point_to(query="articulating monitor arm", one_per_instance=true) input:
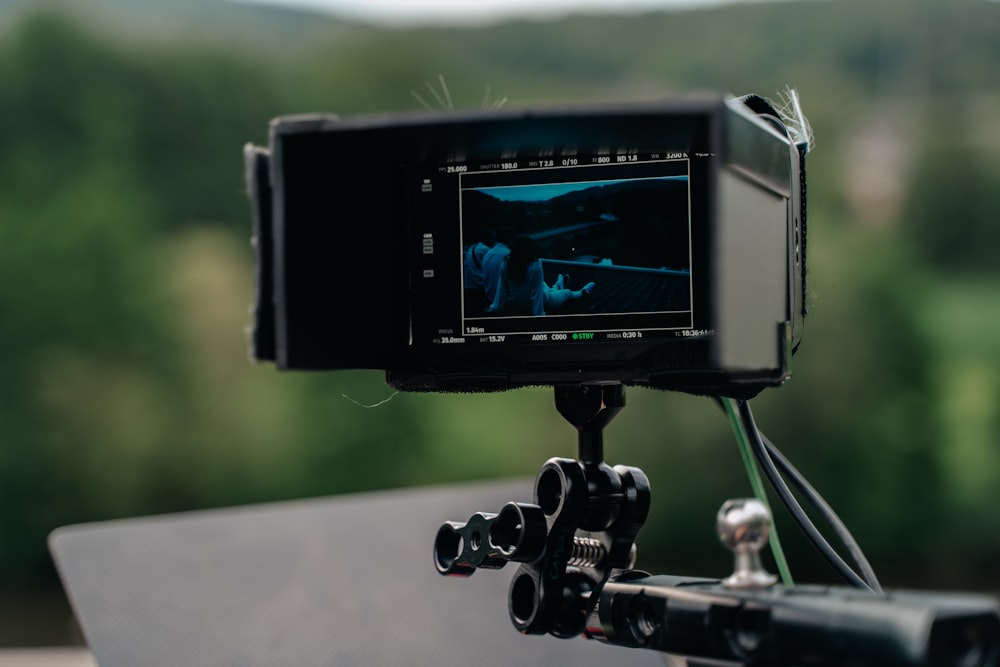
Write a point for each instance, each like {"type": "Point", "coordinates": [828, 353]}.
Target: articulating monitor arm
{"type": "Point", "coordinates": [580, 529]}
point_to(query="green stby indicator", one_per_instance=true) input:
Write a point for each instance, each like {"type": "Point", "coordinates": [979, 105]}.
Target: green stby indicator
{"type": "Point", "coordinates": [583, 336]}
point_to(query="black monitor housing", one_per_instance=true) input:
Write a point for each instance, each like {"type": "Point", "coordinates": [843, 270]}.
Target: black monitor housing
{"type": "Point", "coordinates": [676, 226]}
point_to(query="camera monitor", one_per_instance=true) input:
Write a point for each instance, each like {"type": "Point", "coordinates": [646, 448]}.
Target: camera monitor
{"type": "Point", "coordinates": [655, 243]}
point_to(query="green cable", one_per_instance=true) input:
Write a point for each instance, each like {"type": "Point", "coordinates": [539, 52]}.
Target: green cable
{"type": "Point", "coordinates": [758, 488]}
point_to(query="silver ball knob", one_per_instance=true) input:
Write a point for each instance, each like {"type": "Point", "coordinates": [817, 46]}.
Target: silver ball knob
{"type": "Point", "coordinates": [744, 526]}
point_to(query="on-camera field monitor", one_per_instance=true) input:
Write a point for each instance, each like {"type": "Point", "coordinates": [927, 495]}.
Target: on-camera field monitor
{"type": "Point", "coordinates": [656, 243]}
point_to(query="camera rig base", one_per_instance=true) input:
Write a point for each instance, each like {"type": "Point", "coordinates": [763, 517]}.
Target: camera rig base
{"type": "Point", "coordinates": [576, 547]}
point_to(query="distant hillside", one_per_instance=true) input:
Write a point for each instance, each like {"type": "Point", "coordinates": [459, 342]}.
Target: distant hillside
{"type": "Point", "coordinates": [833, 51]}
{"type": "Point", "coordinates": [220, 22]}
{"type": "Point", "coordinates": [876, 79]}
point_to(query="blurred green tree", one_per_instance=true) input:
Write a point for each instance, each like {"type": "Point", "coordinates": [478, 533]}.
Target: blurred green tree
{"type": "Point", "coordinates": [125, 276]}
{"type": "Point", "coordinates": [951, 213]}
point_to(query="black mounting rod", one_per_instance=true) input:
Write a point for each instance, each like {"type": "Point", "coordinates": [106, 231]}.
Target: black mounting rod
{"type": "Point", "coordinates": [589, 408]}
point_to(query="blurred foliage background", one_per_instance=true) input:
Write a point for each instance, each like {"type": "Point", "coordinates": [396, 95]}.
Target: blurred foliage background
{"type": "Point", "coordinates": [125, 275]}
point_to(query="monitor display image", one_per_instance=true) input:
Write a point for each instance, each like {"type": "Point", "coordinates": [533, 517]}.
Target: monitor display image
{"type": "Point", "coordinates": [576, 242]}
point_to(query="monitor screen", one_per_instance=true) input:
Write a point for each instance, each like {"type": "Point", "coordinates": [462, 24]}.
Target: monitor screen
{"type": "Point", "coordinates": [555, 249]}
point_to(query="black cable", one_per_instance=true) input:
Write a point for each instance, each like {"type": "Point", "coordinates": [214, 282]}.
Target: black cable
{"type": "Point", "coordinates": [790, 502]}
{"type": "Point", "coordinates": [819, 503]}
{"type": "Point", "coordinates": [829, 515]}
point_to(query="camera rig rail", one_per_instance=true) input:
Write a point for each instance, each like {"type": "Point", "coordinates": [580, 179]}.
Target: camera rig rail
{"type": "Point", "coordinates": [576, 547]}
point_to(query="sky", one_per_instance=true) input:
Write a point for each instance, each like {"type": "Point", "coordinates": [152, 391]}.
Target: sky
{"type": "Point", "coordinates": [479, 12]}
{"type": "Point", "coordinates": [541, 192]}
{"type": "Point", "coordinates": [546, 191]}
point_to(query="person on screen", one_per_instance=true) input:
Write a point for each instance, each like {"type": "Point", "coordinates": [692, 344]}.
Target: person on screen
{"type": "Point", "coordinates": [522, 287]}
{"type": "Point", "coordinates": [472, 275]}
{"type": "Point", "coordinates": [492, 268]}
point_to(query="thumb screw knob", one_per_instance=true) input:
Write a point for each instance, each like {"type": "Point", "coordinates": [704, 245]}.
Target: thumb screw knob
{"type": "Point", "coordinates": [744, 526]}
